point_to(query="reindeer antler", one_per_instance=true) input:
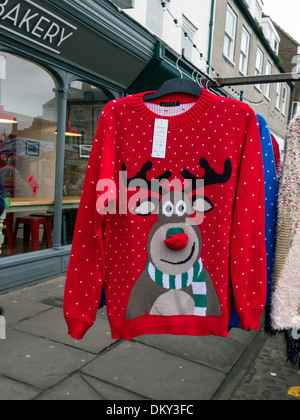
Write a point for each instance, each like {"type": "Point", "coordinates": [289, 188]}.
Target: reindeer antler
{"type": "Point", "coordinates": [142, 174]}
{"type": "Point", "coordinates": [210, 176]}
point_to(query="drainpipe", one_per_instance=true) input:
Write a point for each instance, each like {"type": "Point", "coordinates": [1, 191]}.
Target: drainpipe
{"type": "Point", "coordinates": [211, 33]}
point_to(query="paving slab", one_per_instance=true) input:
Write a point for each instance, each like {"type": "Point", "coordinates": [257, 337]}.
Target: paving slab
{"type": "Point", "coordinates": [111, 392]}
{"type": "Point", "coordinates": [36, 361]}
{"type": "Point", "coordinates": [81, 387]}
{"type": "Point", "coordinates": [11, 390]}
{"type": "Point", "coordinates": [72, 389]}
{"type": "Point", "coordinates": [51, 324]}
{"type": "Point", "coordinates": [154, 374]}
{"type": "Point", "coordinates": [216, 352]}
{"type": "Point", "coordinates": [38, 291]}
{"type": "Point", "coordinates": [26, 303]}
{"type": "Point", "coordinates": [16, 310]}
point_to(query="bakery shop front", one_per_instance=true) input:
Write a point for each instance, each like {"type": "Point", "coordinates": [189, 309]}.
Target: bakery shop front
{"type": "Point", "coordinates": [60, 63]}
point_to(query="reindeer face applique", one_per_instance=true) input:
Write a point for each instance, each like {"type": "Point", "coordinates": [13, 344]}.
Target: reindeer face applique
{"type": "Point", "coordinates": [175, 281]}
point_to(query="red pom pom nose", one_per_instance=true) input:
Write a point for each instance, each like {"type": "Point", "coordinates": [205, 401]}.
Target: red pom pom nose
{"type": "Point", "coordinates": [176, 239]}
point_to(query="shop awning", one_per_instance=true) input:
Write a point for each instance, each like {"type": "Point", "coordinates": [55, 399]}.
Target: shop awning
{"type": "Point", "coordinates": [95, 39]}
{"type": "Point", "coordinates": [87, 37]}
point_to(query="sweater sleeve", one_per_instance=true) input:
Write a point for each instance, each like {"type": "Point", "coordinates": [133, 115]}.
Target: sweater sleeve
{"type": "Point", "coordinates": [271, 196]}
{"type": "Point", "coordinates": [86, 269]}
{"type": "Point", "coordinates": [247, 248]}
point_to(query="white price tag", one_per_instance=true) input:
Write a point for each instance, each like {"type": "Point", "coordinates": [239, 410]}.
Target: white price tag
{"type": "Point", "coordinates": [160, 138]}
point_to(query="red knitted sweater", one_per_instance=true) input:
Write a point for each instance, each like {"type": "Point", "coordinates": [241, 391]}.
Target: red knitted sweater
{"type": "Point", "coordinates": [171, 259]}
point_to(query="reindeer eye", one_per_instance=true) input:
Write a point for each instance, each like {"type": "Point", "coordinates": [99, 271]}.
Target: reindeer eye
{"type": "Point", "coordinates": [180, 208]}
{"type": "Point", "coordinates": [202, 204]}
{"type": "Point", "coordinates": [168, 209]}
{"type": "Point", "coordinates": [145, 208]}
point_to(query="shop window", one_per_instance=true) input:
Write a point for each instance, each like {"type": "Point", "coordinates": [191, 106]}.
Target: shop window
{"type": "Point", "coordinates": [28, 120]}
{"type": "Point", "coordinates": [85, 105]}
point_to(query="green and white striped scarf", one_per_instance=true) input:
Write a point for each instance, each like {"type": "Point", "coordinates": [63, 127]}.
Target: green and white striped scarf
{"type": "Point", "coordinates": [195, 277]}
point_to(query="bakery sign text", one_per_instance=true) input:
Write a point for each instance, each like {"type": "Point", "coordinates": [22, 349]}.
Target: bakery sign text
{"type": "Point", "coordinates": [32, 22]}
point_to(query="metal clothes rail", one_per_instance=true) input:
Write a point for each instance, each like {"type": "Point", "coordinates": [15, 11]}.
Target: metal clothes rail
{"type": "Point", "coordinates": [211, 82]}
{"type": "Point", "coordinates": [252, 80]}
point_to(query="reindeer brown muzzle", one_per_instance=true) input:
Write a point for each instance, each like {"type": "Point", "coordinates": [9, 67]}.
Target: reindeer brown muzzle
{"type": "Point", "coordinates": [176, 239]}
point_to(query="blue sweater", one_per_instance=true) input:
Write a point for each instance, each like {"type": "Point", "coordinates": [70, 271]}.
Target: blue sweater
{"type": "Point", "coordinates": [271, 197]}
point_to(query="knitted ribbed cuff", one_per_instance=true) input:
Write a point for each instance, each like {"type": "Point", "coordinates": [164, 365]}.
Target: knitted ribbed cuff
{"type": "Point", "coordinates": [250, 319]}
{"type": "Point", "coordinates": [77, 328]}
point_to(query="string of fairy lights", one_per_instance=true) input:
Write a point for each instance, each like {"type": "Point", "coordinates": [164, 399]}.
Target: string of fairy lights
{"type": "Point", "coordinates": [187, 37]}
{"type": "Point", "coordinates": [211, 68]}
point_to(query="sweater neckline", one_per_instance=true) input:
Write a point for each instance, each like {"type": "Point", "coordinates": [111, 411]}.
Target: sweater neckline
{"type": "Point", "coordinates": [176, 121]}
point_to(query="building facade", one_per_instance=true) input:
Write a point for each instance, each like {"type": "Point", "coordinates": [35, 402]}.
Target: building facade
{"type": "Point", "coordinates": [245, 44]}
{"type": "Point", "coordinates": [289, 51]}
{"type": "Point", "coordinates": [226, 38]}
{"type": "Point", "coordinates": [179, 24]}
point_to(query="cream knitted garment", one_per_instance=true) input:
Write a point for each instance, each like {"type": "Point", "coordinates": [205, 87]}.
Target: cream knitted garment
{"type": "Point", "coordinates": [286, 284]}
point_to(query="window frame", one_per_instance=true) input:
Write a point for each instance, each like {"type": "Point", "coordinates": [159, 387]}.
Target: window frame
{"type": "Point", "coordinates": [258, 71]}
{"type": "Point", "coordinates": [267, 88]}
{"type": "Point", "coordinates": [276, 46]}
{"type": "Point", "coordinates": [31, 148]}
{"type": "Point", "coordinates": [149, 23]}
{"type": "Point", "coordinates": [298, 64]}
{"type": "Point", "coordinates": [244, 55]}
{"type": "Point", "coordinates": [257, 8]}
{"type": "Point", "coordinates": [278, 96]}
{"type": "Point", "coordinates": [231, 37]}
{"type": "Point", "coordinates": [296, 105]}
{"type": "Point", "coordinates": [284, 100]}
{"type": "Point", "coordinates": [190, 29]}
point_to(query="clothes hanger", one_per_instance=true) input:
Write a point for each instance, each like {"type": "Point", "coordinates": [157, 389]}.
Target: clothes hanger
{"type": "Point", "coordinates": [176, 85]}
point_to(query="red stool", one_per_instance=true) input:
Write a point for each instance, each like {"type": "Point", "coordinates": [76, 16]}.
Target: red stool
{"type": "Point", "coordinates": [49, 216]}
{"type": "Point", "coordinates": [8, 225]}
{"type": "Point", "coordinates": [31, 227]}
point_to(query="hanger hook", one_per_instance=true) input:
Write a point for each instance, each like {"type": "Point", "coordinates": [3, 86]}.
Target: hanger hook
{"type": "Point", "coordinates": [201, 78]}
{"type": "Point", "coordinates": [197, 78]}
{"type": "Point", "coordinates": [215, 81]}
{"type": "Point", "coordinates": [194, 79]}
{"type": "Point", "coordinates": [178, 68]}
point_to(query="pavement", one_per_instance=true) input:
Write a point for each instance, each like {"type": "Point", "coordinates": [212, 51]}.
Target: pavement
{"type": "Point", "coordinates": [39, 361]}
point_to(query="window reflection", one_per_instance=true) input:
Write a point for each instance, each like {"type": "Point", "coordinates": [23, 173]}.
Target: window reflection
{"type": "Point", "coordinates": [28, 152]}
{"type": "Point", "coordinates": [85, 105]}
